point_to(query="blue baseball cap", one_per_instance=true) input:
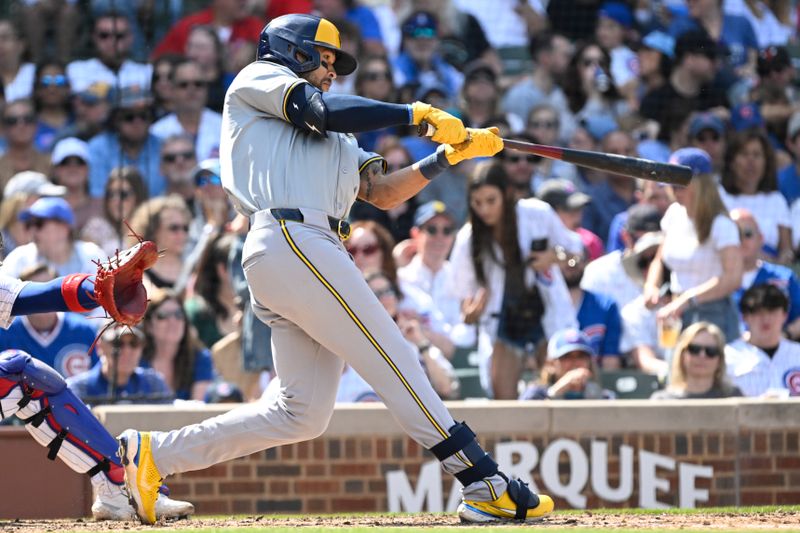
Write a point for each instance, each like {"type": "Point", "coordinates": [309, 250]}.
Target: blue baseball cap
{"type": "Point", "coordinates": [568, 340]}
{"type": "Point", "coordinates": [428, 210]}
{"type": "Point", "coordinates": [52, 208]}
{"type": "Point", "coordinates": [746, 116]}
{"type": "Point", "coordinates": [420, 24]}
{"type": "Point", "coordinates": [618, 12]}
{"type": "Point", "coordinates": [660, 42]}
{"type": "Point", "coordinates": [695, 158]}
{"type": "Point", "coordinates": [706, 121]}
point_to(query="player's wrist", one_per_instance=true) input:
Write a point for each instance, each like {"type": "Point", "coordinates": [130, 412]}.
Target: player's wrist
{"type": "Point", "coordinates": [434, 164]}
{"type": "Point", "coordinates": [71, 291]}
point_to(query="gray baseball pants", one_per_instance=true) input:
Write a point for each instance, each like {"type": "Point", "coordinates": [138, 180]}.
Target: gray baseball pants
{"type": "Point", "coordinates": [322, 314]}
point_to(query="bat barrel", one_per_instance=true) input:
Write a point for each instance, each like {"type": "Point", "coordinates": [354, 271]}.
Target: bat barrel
{"type": "Point", "coordinates": [630, 166]}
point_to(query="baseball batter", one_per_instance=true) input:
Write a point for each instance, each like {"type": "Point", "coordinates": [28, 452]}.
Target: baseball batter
{"type": "Point", "coordinates": [290, 162]}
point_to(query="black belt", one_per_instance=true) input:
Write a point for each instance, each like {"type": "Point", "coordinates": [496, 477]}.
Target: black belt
{"type": "Point", "coordinates": [340, 226]}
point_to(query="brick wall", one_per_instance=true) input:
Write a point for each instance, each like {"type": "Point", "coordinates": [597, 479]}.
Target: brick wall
{"type": "Point", "coordinates": [752, 447]}
{"type": "Point", "coordinates": [343, 474]}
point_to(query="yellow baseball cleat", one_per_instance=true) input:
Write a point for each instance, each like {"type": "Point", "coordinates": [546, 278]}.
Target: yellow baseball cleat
{"type": "Point", "coordinates": [516, 503]}
{"type": "Point", "coordinates": [142, 478]}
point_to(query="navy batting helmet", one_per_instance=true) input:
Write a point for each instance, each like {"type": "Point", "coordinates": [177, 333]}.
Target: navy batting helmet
{"type": "Point", "coordinates": [289, 36]}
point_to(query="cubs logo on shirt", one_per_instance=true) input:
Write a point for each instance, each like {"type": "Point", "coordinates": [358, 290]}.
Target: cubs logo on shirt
{"type": "Point", "coordinates": [792, 381]}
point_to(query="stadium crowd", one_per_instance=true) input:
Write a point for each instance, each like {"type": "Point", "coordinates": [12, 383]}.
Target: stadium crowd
{"type": "Point", "coordinates": [514, 277]}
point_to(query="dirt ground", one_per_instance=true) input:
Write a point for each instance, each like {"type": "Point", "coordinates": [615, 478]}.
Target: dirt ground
{"type": "Point", "coordinates": [785, 520]}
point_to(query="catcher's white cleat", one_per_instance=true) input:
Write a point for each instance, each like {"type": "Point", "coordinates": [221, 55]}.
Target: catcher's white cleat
{"type": "Point", "coordinates": [142, 479]}
{"type": "Point", "coordinates": [114, 505]}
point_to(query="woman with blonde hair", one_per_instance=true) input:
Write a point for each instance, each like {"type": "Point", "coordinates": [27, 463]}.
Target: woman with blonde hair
{"type": "Point", "coordinates": [701, 249]}
{"type": "Point", "coordinates": [165, 221]}
{"type": "Point", "coordinates": [13, 231]}
{"type": "Point", "coordinates": [698, 366]}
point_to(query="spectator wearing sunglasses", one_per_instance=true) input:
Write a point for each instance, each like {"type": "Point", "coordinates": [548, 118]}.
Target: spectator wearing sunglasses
{"type": "Point", "coordinates": [173, 349]}
{"type": "Point", "coordinates": [51, 98]}
{"type": "Point", "coordinates": [178, 163]}
{"type": "Point", "coordinates": [211, 205]}
{"type": "Point", "coordinates": [190, 115]}
{"type": "Point", "coordinates": [125, 190]}
{"type": "Point", "coordinates": [19, 125]}
{"type": "Point", "coordinates": [165, 221]}
{"type": "Point", "coordinates": [758, 271]}
{"type": "Point", "coordinates": [112, 37]}
{"type": "Point", "coordinates": [70, 159]}
{"type": "Point", "coordinates": [762, 363]}
{"type": "Point", "coordinates": [520, 169]}
{"type": "Point", "coordinates": [52, 223]}
{"type": "Point", "coordinates": [120, 352]}
{"type": "Point", "coordinates": [374, 80]}
{"type": "Point", "coordinates": [429, 270]}
{"type": "Point", "coordinates": [127, 142]}
{"type": "Point", "coordinates": [698, 366]}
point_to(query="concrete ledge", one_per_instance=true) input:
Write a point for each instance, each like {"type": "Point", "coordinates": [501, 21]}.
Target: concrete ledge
{"type": "Point", "coordinates": [547, 417]}
{"type": "Point", "coordinates": [777, 414]}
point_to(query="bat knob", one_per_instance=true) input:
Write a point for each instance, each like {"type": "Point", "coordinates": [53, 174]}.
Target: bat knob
{"type": "Point", "coordinates": [425, 129]}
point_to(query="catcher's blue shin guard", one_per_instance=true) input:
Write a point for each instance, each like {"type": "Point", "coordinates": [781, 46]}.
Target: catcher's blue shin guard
{"type": "Point", "coordinates": [56, 418]}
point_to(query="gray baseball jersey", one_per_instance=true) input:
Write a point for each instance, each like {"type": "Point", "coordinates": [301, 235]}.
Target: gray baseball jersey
{"type": "Point", "coordinates": [267, 162]}
{"type": "Point", "coordinates": [307, 288]}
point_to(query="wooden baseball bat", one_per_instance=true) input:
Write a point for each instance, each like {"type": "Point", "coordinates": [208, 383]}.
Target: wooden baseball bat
{"type": "Point", "coordinates": [633, 167]}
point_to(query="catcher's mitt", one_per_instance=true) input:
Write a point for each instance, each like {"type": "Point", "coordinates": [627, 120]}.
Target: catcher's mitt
{"type": "Point", "coordinates": [118, 284]}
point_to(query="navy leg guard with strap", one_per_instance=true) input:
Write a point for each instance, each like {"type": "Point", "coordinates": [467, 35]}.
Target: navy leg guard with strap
{"type": "Point", "coordinates": [462, 441]}
{"type": "Point", "coordinates": [55, 417]}
{"type": "Point", "coordinates": [521, 494]}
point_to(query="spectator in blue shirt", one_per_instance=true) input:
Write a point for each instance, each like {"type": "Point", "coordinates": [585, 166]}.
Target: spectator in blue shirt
{"type": "Point", "coordinates": [61, 340]}
{"type": "Point", "coordinates": [127, 142]}
{"type": "Point", "coordinates": [120, 351]}
{"type": "Point", "coordinates": [598, 315]}
{"type": "Point", "coordinates": [419, 63]}
{"type": "Point", "coordinates": [758, 272]}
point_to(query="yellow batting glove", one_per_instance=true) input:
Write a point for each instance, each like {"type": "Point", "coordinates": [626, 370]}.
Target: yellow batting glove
{"type": "Point", "coordinates": [484, 142]}
{"type": "Point", "coordinates": [449, 129]}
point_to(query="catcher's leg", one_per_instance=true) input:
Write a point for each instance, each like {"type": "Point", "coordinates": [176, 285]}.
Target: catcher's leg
{"type": "Point", "coordinates": [60, 421]}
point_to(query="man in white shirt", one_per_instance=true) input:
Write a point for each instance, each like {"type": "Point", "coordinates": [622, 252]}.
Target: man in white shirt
{"type": "Point", "coordinates": [112, 38]}
{"type": "Point", "coordinates": [607, 274]}
{"type": "Point", "coordinates": [762, 363]}
{"type": "Point", "coordinates": [191, 116]}
{"type": "Point", "coordinates": [429, 271]}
